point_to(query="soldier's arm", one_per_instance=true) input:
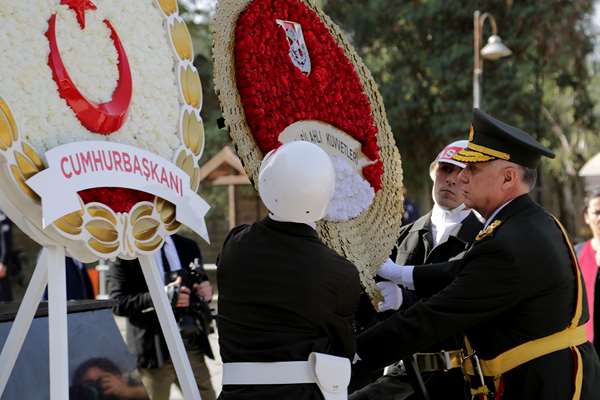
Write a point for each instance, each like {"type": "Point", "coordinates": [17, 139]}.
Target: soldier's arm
{"type": "Point", "coordinates": [485, 287]}
{"type": "Point", "coordinates": [432, 278]}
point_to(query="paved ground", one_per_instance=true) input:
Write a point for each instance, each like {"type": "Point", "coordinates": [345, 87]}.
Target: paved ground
{"type": "Point", "coordinates": [213, 365]}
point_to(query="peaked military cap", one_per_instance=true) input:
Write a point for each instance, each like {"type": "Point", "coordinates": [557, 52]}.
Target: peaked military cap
{"type": "Point", "coordinates": [491, 139]}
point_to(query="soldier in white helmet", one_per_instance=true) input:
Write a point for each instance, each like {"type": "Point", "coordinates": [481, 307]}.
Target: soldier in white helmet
{"type": "Point", "coordinates": [286, 300]}
{"type": "Point", "coordinates": [443, 233]}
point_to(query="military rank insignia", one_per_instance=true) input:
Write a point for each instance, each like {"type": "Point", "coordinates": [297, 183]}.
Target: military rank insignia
{"type": "Point", "coordinates": [488, 230]}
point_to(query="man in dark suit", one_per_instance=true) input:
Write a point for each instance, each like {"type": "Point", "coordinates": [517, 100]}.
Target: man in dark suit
{"type": "Point", "coordinates": [517, 294]}
{"type": "Point", "coordinates": [286, 300]}
{"type": "Point", "coordinates": [78, 283]}
{"type": "Point", "coordinates": [144, 335]}
{"type": "Point", "coordinates": [444, 233]}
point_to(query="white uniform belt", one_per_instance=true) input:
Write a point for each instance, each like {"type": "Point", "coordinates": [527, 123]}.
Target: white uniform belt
{"type": "Point", "coordinates": [330, 373]}
{"type": "Point", "coordinates": [268, 373]}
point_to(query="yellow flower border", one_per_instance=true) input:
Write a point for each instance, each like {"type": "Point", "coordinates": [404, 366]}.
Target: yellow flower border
{"type": "Point", "coordinates": [103, 232]}
{"type": "Point", "coordinates": [366, 240]}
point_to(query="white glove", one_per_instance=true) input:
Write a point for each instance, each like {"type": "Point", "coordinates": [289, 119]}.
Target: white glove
{"type": "Point", "coordinates": [391, 271]}
{"type": "Point", "coordinates": [399, 274]}
{"type": "Point", "coordinates": [392, 296]}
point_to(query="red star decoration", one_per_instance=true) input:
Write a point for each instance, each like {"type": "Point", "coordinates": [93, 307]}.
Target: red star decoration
{"type": "Point", "coordinates": [79, 7]}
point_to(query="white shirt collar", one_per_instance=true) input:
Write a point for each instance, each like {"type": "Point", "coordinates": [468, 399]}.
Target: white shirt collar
{"type": "Point", "coordinates": [171, 255]}
{"type": "Point", "coordinates": [442, 215]}
{"type": "Point", "coordinates": [443, 221]}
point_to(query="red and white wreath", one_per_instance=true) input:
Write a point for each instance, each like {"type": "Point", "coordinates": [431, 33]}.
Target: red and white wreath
{"type": "Point", "coordinates": [283, 72]}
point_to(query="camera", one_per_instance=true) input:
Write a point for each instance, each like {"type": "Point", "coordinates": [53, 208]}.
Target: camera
{"type": "Point", "coordinates": [195, 318]}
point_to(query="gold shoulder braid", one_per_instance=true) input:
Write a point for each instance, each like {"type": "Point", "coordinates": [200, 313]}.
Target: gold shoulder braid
{"type": "Point", "coordinates": [488, 230]}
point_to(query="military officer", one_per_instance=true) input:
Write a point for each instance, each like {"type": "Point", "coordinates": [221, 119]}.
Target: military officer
{"type": "Point", "coordinates": [517, 295]}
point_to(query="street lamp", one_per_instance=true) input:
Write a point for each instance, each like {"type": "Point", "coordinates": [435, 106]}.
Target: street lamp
{"type": "Point", "coordinates": [493, 50]}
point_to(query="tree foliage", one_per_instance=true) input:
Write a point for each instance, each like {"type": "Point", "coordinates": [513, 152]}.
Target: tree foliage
{"type": "Point", "coordinates": [421, 54]}
{"type": "Point", "coordinates": [198, 24]}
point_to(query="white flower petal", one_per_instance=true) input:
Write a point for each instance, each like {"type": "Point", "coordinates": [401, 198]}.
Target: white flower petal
{"type": "Point", "coordinates": [353, 194]}
{"type": "Point", "coordinates": [44, 119]}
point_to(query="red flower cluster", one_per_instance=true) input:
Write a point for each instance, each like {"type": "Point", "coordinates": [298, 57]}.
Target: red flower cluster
{"type": "Point", "coordinates": [276, 94]}
{"type": "Point", "coordinates": [118, 199]}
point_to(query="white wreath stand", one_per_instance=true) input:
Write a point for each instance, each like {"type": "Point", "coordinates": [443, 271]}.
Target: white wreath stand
{"type": "Point", "coordinates": [50, 270]}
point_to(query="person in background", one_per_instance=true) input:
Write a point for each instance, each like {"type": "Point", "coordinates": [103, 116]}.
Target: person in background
{"type": "Point", "coordinates": [588, 254]}
{"type": "Point", "coordinates": [188, 287]}
{"type": "Point", "coordinates": [411, 210]}
{"type": "Point", "coordinates": [79, 285]}
{"type": "Point", "coordinates": [101, 379]}
{"type": "Point", "coordinates": [6, 251]}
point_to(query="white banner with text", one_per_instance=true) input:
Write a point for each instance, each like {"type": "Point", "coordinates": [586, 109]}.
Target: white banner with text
{"type": "Point", "coordinates": [93, 164]}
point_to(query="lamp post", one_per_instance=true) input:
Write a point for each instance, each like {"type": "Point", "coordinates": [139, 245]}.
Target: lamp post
{"type": "Point", "coordinates": [493, 50]}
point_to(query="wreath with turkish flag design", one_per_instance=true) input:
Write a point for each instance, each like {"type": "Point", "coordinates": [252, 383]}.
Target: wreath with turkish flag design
{"type": "Point", "coordinates": [82, 81]}
{"type": "Point", "coordinates": [283, 64]}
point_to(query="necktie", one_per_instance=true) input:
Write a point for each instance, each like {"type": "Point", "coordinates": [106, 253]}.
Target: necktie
{"type": "Point", "coordinates": [166, 266]}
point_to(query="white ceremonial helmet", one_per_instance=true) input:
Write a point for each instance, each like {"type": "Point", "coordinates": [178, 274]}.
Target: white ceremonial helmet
{"type": "Point", "coordinates": [446, 156]}
{"type": "Point", "coordinates": [296, 182]}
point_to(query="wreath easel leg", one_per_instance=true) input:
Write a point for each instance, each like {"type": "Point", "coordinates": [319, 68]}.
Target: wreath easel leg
{"type": "Point", "coordinates": [58, 334]}
{"type": "Point", "coordinates": [169, 328]}
{"type": "Point", "coordinates": [25, 314]}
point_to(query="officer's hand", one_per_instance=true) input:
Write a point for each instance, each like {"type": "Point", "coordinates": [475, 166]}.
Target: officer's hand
{"type": "Point", "coordinates": [391, 271]}
{"type": "Point", "coordinates": [183, 297]}
{"type": "Point", "coordinates": [392, 296]}
{"type": "Point", "coordinates": [2, 271]}
{"type": "Point", "coordinates": [204, 290]}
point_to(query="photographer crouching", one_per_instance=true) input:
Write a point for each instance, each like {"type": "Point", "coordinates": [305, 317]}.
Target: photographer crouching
{"type": "Point", "coordinates": [190, 292]}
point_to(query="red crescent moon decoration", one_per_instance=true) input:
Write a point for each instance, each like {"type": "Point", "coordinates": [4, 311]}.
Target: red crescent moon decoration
{"type": "Point", "coordinates": [104, 118]}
